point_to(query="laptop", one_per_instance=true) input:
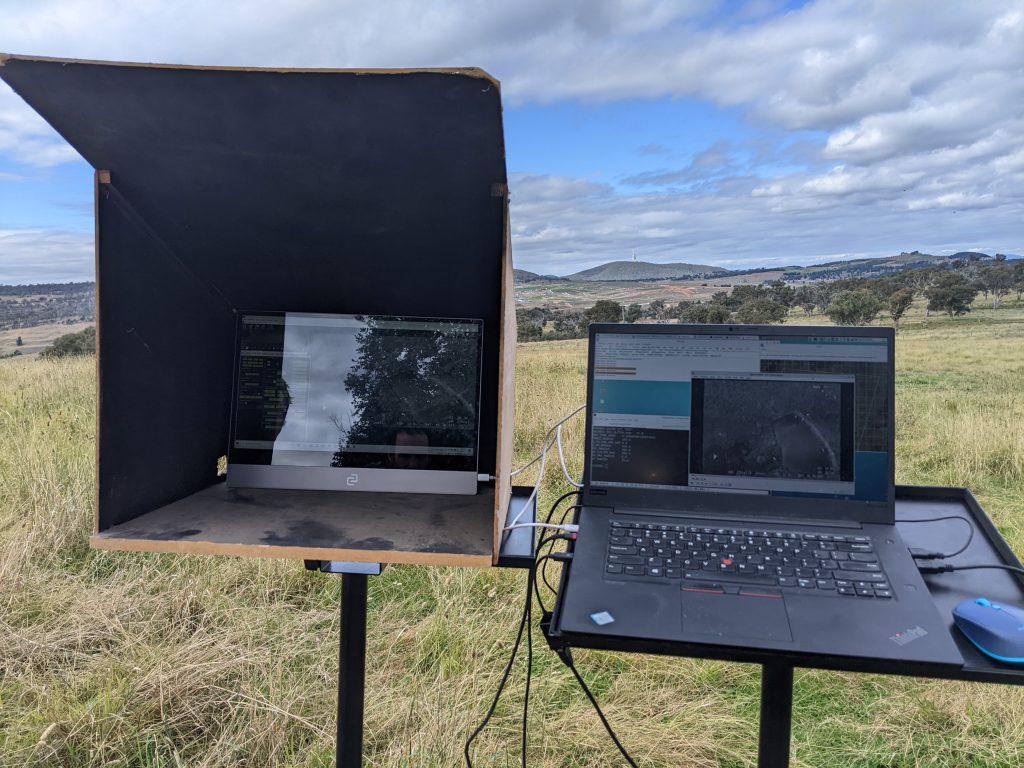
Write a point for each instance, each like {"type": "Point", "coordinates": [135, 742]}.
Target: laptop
{"type": "Point", "coordinates": [356, 403]}
{"type": "Point", "coordinates": [739, 491]}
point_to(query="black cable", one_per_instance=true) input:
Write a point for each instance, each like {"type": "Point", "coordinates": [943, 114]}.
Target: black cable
{"type": "Point", "coordinates": [543, 607]}
{"type": "Point", "coordinates": [565, 514]}
{"type": "Point", "coordinates": [536, 564]}
{"type": "Point", "coordinates": [558, 556]}
{"type": "Point", "coordinates": [938, 555]}
{"type": "Point", "coordinates": [563, 497]}
{"type": "Point", "coordinates": [532, 578]}
{"type": "Point", "coordinates": [565, 655]}
{"type": "Point", "coordinates": [566, 658]}
{"type": "Point", "coordinates": [525, 625]}
{"type": "Point", "coordinates": [505, 674]}
{"type": "Point", "coordinates": [546, 539]}
{"type": "Point", "coordinates": [544, 575]}
{"type": "Point", "coordinates": [946, 568]}
{"type": "Point", "coordinates": [543, 569]}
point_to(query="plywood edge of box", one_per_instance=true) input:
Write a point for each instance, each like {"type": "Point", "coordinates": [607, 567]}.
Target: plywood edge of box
{"type": "Point", "coordinates": [100, 178]}
{"type": "Point", "coordinates": [506, 392]}
{"type": "Point", "coordinates": [110, 542]}
{"type": "Point", "coordinates": [476, 72]}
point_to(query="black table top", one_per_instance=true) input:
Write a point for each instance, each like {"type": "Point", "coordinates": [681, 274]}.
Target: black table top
{"type": "Point", "coordinates": [946, 589]}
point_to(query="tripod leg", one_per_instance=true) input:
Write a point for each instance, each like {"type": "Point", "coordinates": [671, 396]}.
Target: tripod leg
{"type": "Point", "coordinates": [351, 670]}
{"type": "Point", "coordinates": [776, 716]}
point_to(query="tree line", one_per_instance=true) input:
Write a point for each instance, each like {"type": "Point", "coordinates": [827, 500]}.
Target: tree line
{"type": "Point", "coordinates": [25, 306]}
{"type": "Point", "coordinates": [949, 289]}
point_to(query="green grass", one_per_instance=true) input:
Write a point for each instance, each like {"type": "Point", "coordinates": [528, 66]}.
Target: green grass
{"type": "Point", "coordinates": [147, 661]}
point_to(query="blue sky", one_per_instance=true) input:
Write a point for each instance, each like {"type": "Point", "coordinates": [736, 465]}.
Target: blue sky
{"type": "Point", "coordinates": [738, 134]}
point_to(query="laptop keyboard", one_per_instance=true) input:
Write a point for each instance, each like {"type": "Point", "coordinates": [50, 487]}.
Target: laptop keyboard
{"type": "Point", "coordinates": [721, 558]}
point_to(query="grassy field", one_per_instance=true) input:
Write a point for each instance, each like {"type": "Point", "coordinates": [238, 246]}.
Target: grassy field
{"type": "Point", "coordinates": [149, 661]}
{"type": "Point", "coordinates": [37, 338]}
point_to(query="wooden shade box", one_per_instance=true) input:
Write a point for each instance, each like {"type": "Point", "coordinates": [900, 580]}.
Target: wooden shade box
{"type": "Point", "coordinates": [336, 191]}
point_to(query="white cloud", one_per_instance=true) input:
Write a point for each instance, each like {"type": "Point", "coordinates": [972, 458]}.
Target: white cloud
{"type": "Point", "coordinates": [746, 224]}
{"type": "Point", "coordinates": [38, 256]}
{"type": "Point", "coordinates": [26, 138]}
{"type": "Point", "coordinates": [921, 106]}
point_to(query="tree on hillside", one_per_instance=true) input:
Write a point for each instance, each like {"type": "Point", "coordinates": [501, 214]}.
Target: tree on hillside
{"type": "Point", "coordinates": [1018, 278]}
{"type": "Point", "coordinates": [806, 299]}
{"type": "Point", "coordinates": [918, 280]}
{"type": "Point", "coordinates": [726, 299]}
{"type": "Point", "coordinates": [888, 285]}
{"type": "Point", "coordinates": [656, 309]}
{"type": "Point", "coordinates": [604, 311]}
{"type": "Point", "coordinates": [823, 293]}
{"type": "Point", "coordinates": [997, 280]}
{"type": "Point", "coordinates": [782, 294]}
{"type": "Point", "coordinates": [633, 313]}
{"type": "Point", "coordinates": [951, 293]}
{"type": "Point", "coordinates": [18, 342]}
{"type": "Point", "coordinates": [527, 331]}
{"type": "Point", "coordinates": [71, 344]}
{"type": "Point", "coordinates": [899, 303]}
{"type": "Point", "coordinates": [741, 294]}
{"type": "Point", "coordinates": [530, 324]}
{"type": "Point", "coordinates": [761, 311]}
{"type": "Point", "coordinates": [706, 314]}
{"type": "Point", "coordinates": [569, 325]}
{"type": "Point", "coordinates": [857, 307]}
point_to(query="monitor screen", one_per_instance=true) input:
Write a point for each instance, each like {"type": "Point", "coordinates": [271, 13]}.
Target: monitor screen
{"type": "Point", "coordinates": [351, 402]}
{"type": "Point", "coordinates": [773, 414]}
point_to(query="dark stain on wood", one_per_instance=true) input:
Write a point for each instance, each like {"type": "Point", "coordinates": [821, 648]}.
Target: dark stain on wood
{"type": "Point", "coordinates": [368, 522]}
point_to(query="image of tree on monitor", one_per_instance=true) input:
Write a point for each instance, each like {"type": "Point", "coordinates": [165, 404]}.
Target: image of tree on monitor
{"type": "Point", "coordinates": [414, 398]}
{"type": "Point", "coordinates": [776, 428]}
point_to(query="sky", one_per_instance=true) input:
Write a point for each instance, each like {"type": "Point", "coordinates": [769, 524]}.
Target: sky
{"type": "Point", "coordinates": [736, 134]}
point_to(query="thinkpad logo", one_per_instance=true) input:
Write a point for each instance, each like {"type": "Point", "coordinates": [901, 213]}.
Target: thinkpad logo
{"type": "Point", "coordinates": [904, 637]}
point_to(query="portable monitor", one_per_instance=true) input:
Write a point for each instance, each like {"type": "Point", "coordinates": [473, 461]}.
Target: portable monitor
{"type": "Point", "coordinates": [355, 403]}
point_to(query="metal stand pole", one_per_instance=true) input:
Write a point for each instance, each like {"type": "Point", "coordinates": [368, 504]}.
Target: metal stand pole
{"type": "Point", "coordinates": [776, 715]}
{"type": "Point", "coordinates": [351, 670]}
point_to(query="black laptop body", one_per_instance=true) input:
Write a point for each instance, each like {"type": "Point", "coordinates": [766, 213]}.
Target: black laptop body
{"type": "Point", "coordinates": [739, 491]}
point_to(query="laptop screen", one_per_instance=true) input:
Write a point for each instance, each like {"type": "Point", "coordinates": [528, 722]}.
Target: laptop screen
{"type": "Point", "coordinates": [784, 420]}
{"type": "Point", "coordinates": [394, 397]}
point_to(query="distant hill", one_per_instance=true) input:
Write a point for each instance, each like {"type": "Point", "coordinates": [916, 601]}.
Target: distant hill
{"type": "Point", "coordinates": [522, 276]}
{"type": "Point", "coordinates": [884, 265]}
{"type": "Point", "coordinates": [642, 271]}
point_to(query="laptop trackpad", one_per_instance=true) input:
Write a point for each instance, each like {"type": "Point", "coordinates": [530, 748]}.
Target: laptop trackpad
{"type": "Point", "coordinates": [727, 616]}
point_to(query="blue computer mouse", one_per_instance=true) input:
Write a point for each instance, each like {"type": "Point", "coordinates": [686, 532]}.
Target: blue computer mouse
{"type": "Point", "coordinates": [996, 629]}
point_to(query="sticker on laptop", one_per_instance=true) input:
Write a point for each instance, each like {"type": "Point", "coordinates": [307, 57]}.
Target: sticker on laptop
{"type": "Point", "coordinates": [602, 618]}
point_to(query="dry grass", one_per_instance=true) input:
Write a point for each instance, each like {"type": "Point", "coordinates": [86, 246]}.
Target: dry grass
{"type": "Point", "coordinates": [37, 338]}
{"type": "Point", "coordinates": [149, 661]}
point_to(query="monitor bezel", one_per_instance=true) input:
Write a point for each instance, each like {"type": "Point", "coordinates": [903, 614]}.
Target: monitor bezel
{"type": "Point", "coordinates": [733, 505]}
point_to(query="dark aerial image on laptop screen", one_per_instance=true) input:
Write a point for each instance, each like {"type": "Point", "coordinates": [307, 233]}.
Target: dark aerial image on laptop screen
{"type": "Point", "coordinates": [357, 391]}
{"type": "Point", "coordinates": [793, 429]}
{"type": "Point", "coordinates": [782, 415]}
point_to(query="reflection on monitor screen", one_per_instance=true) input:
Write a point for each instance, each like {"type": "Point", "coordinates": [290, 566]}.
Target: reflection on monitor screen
{"type": "Point", "coordinates": [394, 400]}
